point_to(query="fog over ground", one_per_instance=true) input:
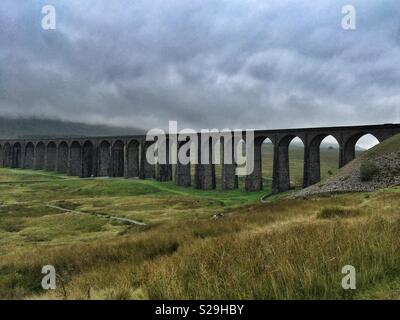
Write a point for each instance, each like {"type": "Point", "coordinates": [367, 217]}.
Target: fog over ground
{"type": "Point", "coordinates": [205, 63]}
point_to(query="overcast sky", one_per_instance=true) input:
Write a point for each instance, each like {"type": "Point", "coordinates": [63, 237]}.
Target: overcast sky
{"type": "Point", "coordinates": [235, 63]}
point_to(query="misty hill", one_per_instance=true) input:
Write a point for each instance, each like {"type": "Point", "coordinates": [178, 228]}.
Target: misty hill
{"type": "Point", "coordinates": [25, 127]}
{"type": "Point", "coordinates": [375, 169]}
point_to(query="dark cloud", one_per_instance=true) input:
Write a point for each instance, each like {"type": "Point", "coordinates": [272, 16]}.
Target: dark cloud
{"type": "Point", "coordinates": [205, 63]}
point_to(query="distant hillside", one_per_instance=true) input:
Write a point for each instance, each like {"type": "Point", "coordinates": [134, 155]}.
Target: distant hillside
{"type": "Point", "coordinates": [377, 168]}
{"type": "Point", "coordinates": [20, 127]}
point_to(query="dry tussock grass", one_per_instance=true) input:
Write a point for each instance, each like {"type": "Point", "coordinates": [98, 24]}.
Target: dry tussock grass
{"type": "Point", "coordinates": [276, 251]}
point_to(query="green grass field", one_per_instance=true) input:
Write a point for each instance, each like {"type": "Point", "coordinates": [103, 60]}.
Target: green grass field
{"type": "Point", "coordinates": [285, 249]}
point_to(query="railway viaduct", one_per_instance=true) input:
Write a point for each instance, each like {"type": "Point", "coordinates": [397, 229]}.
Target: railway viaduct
{"type": "Point", "coordinates": [124, 156]}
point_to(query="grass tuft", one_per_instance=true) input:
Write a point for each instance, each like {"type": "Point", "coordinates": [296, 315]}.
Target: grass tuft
{"type": "Point", "coordinates": [336, 212]}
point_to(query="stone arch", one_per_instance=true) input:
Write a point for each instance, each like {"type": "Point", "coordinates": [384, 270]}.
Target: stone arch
{"type": "Point", "coordinates": [62, 157]}
{"type": "Point", "coordinates": [16, 160]}
{"type": "Point", "coordinates": [366, 142]}
{"type": "Point", "coordinates": [88, 158]}
{"type": "Point", "coordinates": [132, 153]}
{"type": "Point", "coordinates": [7, 155]}
{"type": "Point", "coordinates": [312, 170]}
{"type": "Point", "coordinates": [267, 162]}
{"type": "Point", "coordinates": [40, 156]}
{"type": "Point", "coordinates": [349, 147]}
{"type": "Point", "coordinates": [118, 159]}
{"type": "Point", "coordinates": [29, 158]}
{"type": "Point", "coordinates": [75, 159]}
{"type": "Point", "coordinates": [104, 159]}
{"type": "Point", "coordinates": [51, 156]}
{"type": "Point", "coordinates": [281, 174]}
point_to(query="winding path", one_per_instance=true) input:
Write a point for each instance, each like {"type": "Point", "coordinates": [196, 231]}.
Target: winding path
{"type": "Point", "coordinates": [97, 214]}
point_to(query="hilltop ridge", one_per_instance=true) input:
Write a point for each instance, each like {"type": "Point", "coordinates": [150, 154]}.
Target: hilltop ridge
{"type": "Point", "coordinates": [11, 128]}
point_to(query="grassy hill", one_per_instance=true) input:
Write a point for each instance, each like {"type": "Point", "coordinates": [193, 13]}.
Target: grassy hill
{"type": "Point", "coordinates": [18, 127]}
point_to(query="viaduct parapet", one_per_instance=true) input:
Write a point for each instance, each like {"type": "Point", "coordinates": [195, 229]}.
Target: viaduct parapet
{"type": "Point", "coordinates": [124, 156]}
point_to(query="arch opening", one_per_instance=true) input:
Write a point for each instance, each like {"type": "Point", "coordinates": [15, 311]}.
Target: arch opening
{"type": "Point", "coordinates": [322, 159]}
{"type": "Point", "coordinates": [289, 164]}
{"type": "Point", "coordinates": [62, 158]}
{"type": "Point", "coordinates": [267, 161]}
{"type": "Point", "coordinates": [104, 159]}
{"type": "Point", "coordinates": [40, 152]}
{"type": "Point", "coordinates": [51, 154]}
{"type": "Point", "coordinates": [148, 170]}
{"type": "Point", "coordinates": [16, 161]}
{"type": "Point", "coordinates": [133, 159]}
{"type": "Point", "coordinates": [118, 159]}
{"type": "Point", "coordinates": [7, 155]}
{"type": "Point", "coordinates": [88, 160]}
{"type": "Point", "coordinates": [75, 159]}
{"type": "Point", "coordinates": [29, 156]}
{"type": "Point", "coordinates": [296, 163]}
{"type": "Point", "coordinates": [329, 157]}
{"type": "Point", "coordinates": [357, 144]}
{"type": "Point", "coordinates": [365, 143]}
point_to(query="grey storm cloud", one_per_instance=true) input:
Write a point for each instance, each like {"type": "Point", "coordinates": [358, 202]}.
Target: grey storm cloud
{"type": "Point", "coordinates": [204, 63]}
